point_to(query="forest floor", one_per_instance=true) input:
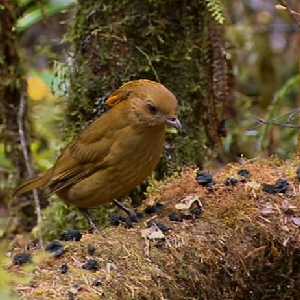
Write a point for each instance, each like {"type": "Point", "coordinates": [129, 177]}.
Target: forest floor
{"type": "Point", "coordinates": [233, 236]}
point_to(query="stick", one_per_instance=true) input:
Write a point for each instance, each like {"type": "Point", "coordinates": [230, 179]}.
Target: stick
{"type": "Point", "coordinates": [284, 5]}
{"type": "Point", "coordinates": [25, 150]}
{"type": "Point", "coordinates": [149, 62]}
{"type": "Point", "coordinates": [285, 125]}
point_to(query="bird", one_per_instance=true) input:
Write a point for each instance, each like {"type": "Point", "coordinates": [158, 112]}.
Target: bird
{"type": "Point", "coordinates": [116, 152]}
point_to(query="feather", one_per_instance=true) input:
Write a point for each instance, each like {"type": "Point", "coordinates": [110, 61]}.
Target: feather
{"type": "Point", "coordinates": [34, 183]}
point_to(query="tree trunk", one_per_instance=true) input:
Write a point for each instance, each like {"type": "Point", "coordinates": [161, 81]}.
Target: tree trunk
{"type": "Point", "coordinates": [11, 86]}
{"type": "Point", "coordinates": [178, 43]}
{"type": "Point", "coordinates": [13, 111]}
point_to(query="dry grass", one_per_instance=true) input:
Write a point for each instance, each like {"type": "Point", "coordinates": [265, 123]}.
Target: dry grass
{"type": "Point", "coordinates": [245, 246]}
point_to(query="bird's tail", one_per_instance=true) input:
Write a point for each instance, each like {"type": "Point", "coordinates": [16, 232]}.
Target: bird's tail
{"type": "Point", "coordinates": [38, 182]}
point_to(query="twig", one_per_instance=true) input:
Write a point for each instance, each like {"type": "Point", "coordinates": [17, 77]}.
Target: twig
{"type": "Point", "coordinates": [25, 150]}
{"type": "Point", "coordinates": [293, 114]}
{"type": "Point", "coordinates": [150, 63]}
{"type": "Point", "coordinates": [290, 116]}
{"type": "Point", "coordinates": [285, 125]}
{"type": "Point", "coordinates": [284, 5]}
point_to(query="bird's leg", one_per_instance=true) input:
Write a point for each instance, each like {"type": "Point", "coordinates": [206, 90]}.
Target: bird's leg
{"type": "Point", "coordinates": [89, 218]}
{"type": "Point", "coordinates": [131, 214]}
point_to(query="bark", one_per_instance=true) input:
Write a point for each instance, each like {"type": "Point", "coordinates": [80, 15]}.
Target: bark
{"type": "Point", "coordinates": [13, 114]}
{"type": "Point", "coordinates": [11, 86]}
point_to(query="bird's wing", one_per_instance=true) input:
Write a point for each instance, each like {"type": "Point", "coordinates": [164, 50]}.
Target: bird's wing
{"type": "Point", "coordinates": [87, 154]}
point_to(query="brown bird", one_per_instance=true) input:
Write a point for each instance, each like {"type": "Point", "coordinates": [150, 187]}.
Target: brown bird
{"type": "Point", "coordinates": [116, 152]}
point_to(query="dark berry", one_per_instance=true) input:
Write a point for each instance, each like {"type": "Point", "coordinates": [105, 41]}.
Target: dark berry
{"type": "Point", "coordinates": [115, 220]}
{"type": "Point", "coordinates": [91, 265]}
{"type": "Point", "coordinates": [133, 218]}
{"type": "Point", "coordinates": [156, 208]}
{"type": "Point", "coordinates": [280, 186]}
{"type": "Point", "coordinates": [150, 210]}
{"type": "Point", "coordinates": [230, 181]}
{"type": "Point", "coordinates": [244, 173]}
{"type": "Point", "coordinates": [298, 173]}
{"type": "Point", "coordinates": [175, 217]}
{"type": "Point", "coordinates": [159, 207]}
{"type": "Point", "coordinates": [71, 235]}
{"type": "Point", "coordinates": [97, 283]}
{"type": "Point", "coordinates": [126, 221]}
{"type": "Point", "coordinates": [56, 248]}
{"type": "Point", "coordinates": [210, 186]}
{"type": "Point", "coordinates": [21, 259]}
{"type": "Point", "coordinates": [205, 179]}
{"type": "Point", "coordinates": [64, 268]}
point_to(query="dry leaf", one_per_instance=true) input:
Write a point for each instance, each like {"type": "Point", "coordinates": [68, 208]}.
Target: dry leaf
{"type": "Point", "coordinates": [152, 233]}
{"type": "Point", "coordinates": [187, 202]}
{"type": "Point", "coordinates": [296, 221]}
{"type": "Point", "coordinates": [267, 210]}
{"type": "Point", "coordinates": [280, 7]}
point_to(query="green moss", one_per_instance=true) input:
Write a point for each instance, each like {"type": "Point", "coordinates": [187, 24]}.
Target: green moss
{"type": "Point", "coordinates": [58, 217]}
{"type": "Point", "coordinates": [166, 41]}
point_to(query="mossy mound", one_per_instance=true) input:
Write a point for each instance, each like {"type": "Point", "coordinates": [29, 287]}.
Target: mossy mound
{"type": "Point", "coordinates": [245, 245]}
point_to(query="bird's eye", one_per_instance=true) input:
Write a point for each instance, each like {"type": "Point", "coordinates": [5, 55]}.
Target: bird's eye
{"type": "Point", "coordinates": [152, 108]}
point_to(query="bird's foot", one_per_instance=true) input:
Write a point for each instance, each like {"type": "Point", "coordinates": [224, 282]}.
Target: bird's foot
{"type": "Point", "coordinates": [90, 220]}
{"type": "Point", "coordinates": [131, 214]}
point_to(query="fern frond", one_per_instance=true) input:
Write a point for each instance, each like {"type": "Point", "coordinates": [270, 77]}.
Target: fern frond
{"type": "Point", "coordinates": [216, 9]}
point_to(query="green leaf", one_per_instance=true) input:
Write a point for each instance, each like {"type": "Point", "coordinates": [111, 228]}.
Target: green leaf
{"type": "Point", "coordinates": [42, 11]}
{"type": "Point", "coordinates": [216, 9]}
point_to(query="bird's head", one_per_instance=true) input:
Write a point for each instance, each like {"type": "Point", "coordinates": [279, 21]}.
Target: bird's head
{"type": "Point", "coordinates": [150, 103]}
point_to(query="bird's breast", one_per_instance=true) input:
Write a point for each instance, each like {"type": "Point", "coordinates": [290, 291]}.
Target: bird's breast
{"type": "Point", "coordinates": [133, 158]}
{"type": "Point", "coordinates": [138, 157]}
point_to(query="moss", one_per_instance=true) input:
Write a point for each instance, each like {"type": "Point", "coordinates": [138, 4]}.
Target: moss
{"type": "Point", "coordinates": [167, 41]}
{"type": "Point", "coordinates": [14, 133]}
{"type": "Point", "coordinates": [59, 217]}
{"type": "Point", "coordinates": [251, 257]}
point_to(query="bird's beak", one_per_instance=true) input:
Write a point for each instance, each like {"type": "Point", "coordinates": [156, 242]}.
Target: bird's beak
{"type": "Point", "coordinates": [173, 122]}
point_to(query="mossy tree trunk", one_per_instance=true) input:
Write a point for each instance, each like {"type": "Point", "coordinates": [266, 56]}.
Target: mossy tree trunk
{"type": "Point", "coordinates": [13, 112]}
{"type": "Point", "coordinates": [11, 86]}
{"type": "Point", "coordinates": [179, 43]}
